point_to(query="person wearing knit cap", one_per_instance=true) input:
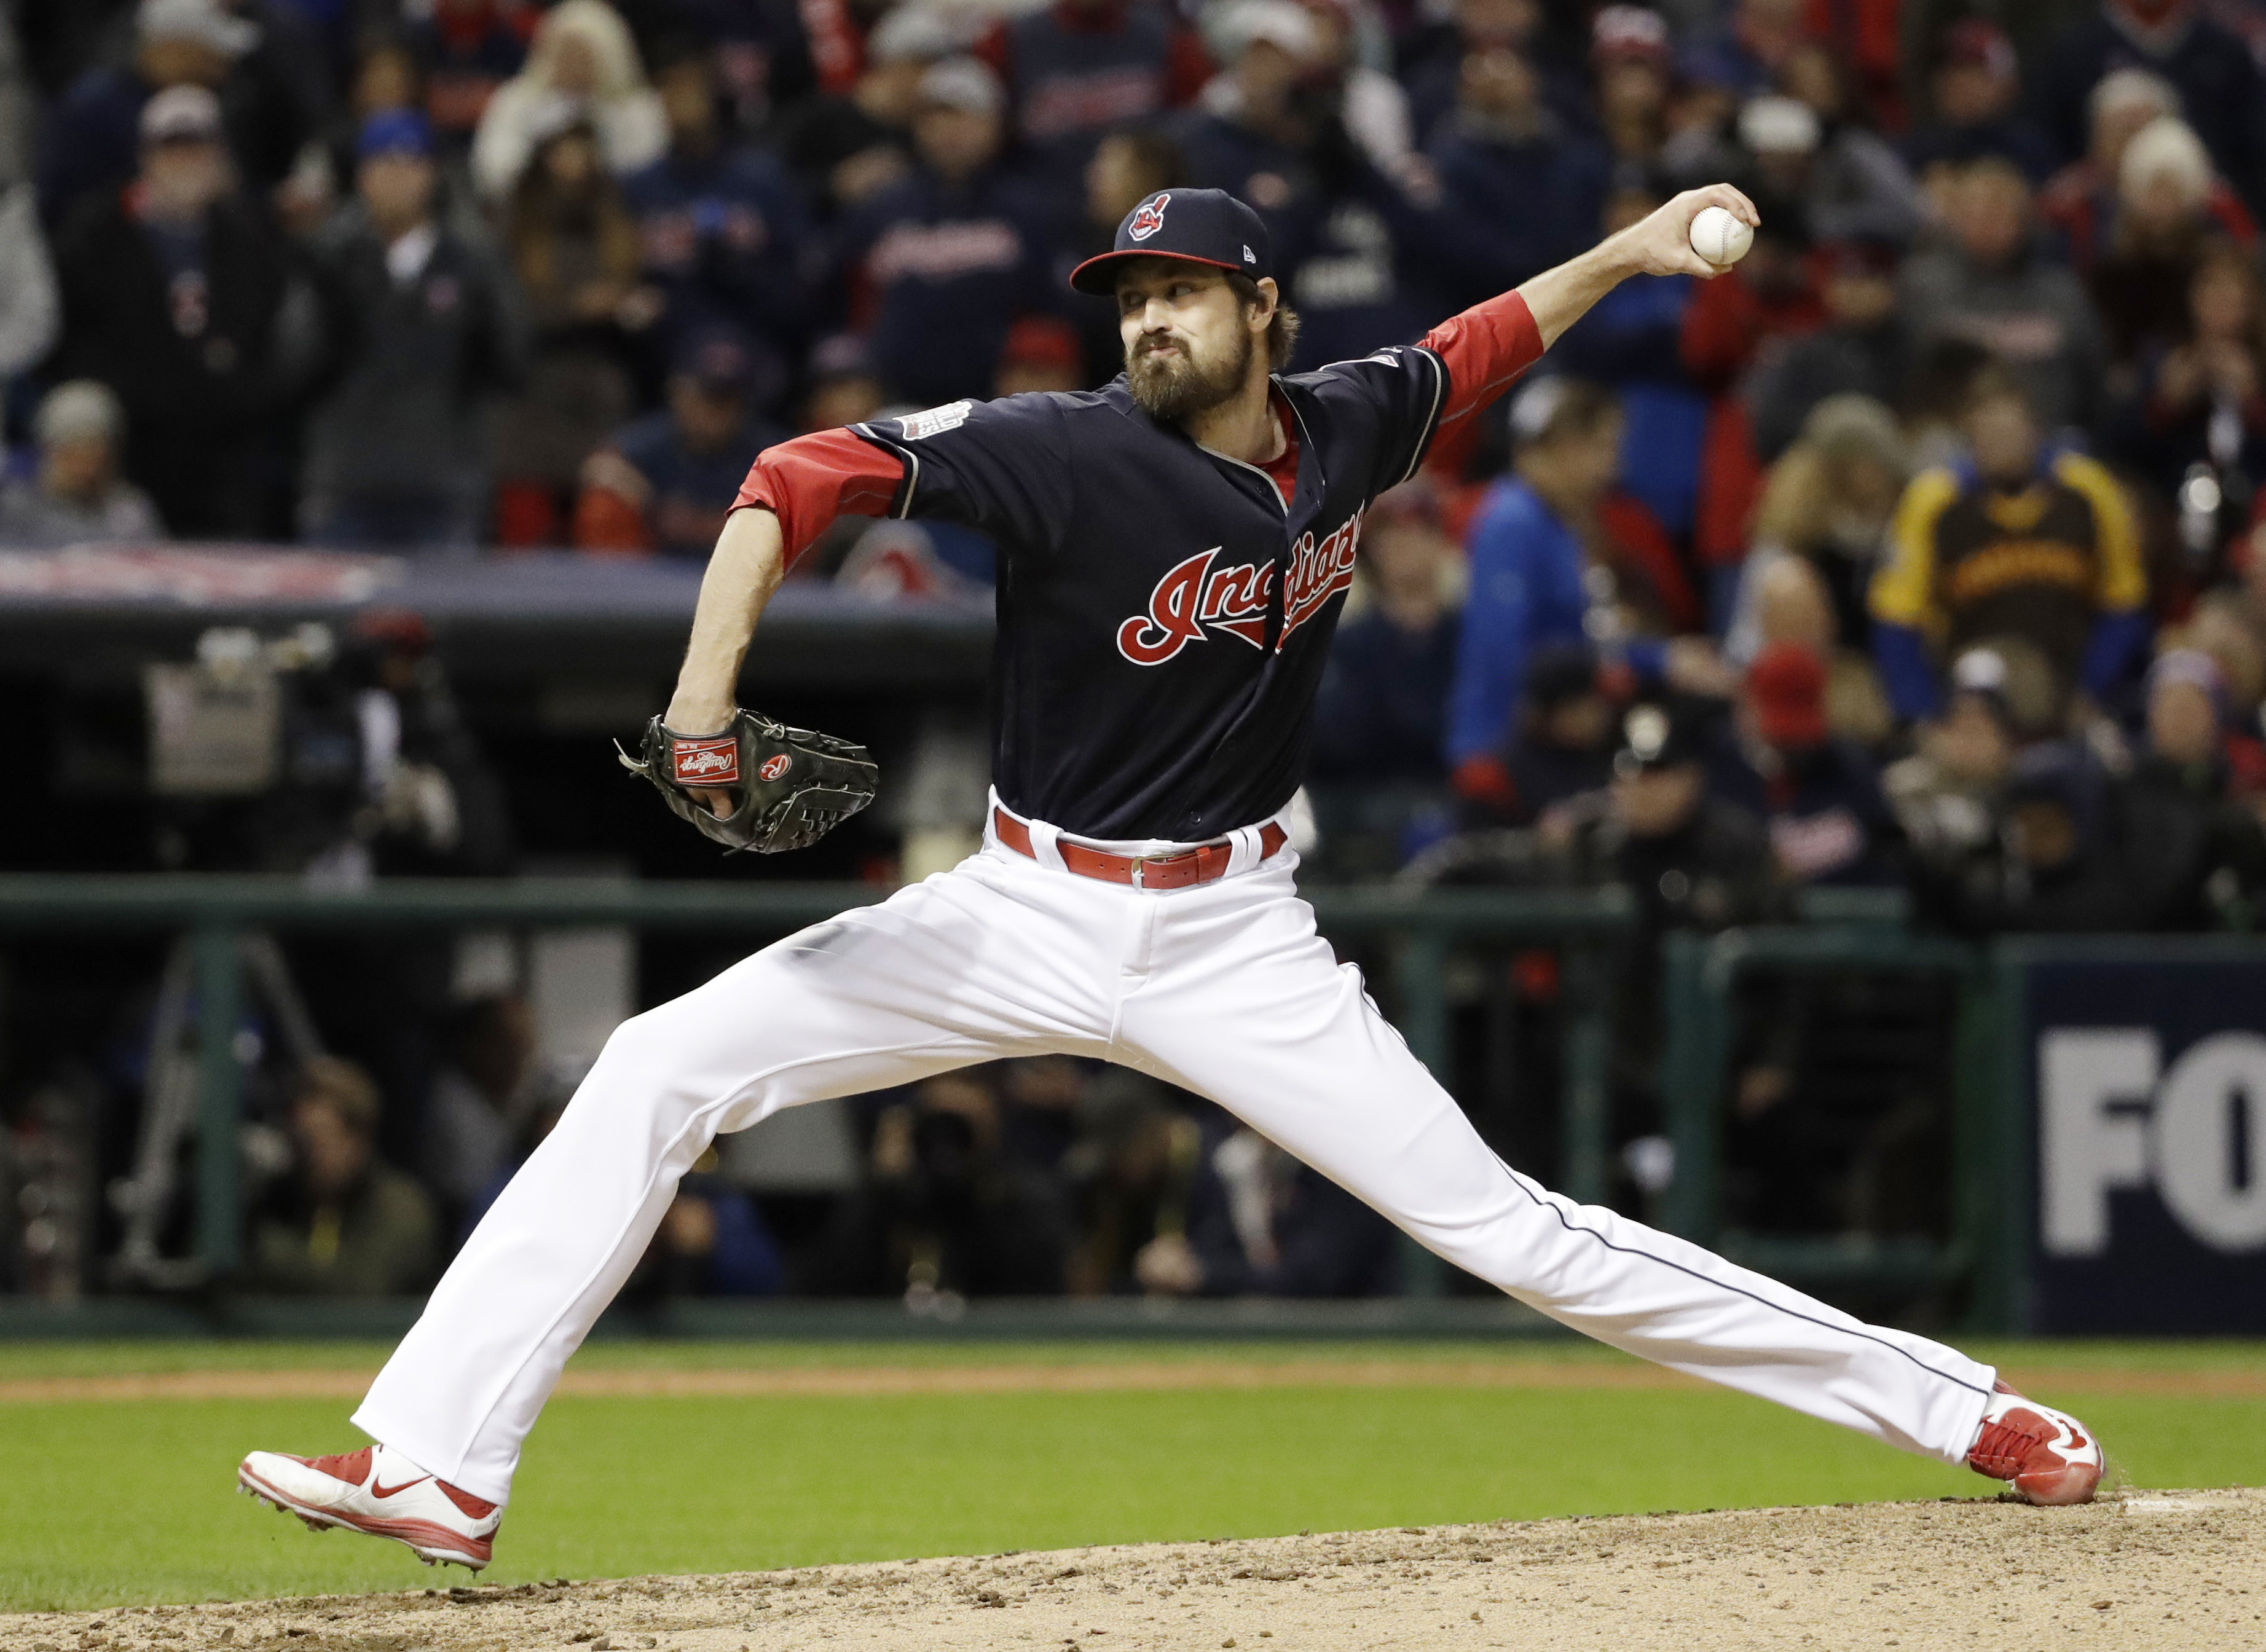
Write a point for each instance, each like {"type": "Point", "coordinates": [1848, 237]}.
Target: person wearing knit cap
{"type": "Point", "coordinates": [77, 497]}
{"type": "Point", "coordinates": [1819, 796]}
{"type": "Point", "coordinates": [2210, 851]}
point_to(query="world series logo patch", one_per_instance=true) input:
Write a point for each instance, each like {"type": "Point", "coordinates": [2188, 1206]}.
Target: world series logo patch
{"type": "Point", "coordinates": [710, 762]}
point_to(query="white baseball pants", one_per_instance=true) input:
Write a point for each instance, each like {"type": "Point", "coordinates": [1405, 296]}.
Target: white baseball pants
{"type": "Point", "coordinates": [1224, 989]}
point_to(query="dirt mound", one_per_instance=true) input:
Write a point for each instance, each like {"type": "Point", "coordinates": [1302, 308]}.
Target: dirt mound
{"type": "Point", "coordinates": [2161, 1570]}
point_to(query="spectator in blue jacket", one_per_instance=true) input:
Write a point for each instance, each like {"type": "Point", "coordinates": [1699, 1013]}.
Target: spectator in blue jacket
{"type": "Point", "coordinates": [721, 231]}
{"type": "Point", "coordinates": [1544, 568]}
{"type": "Point", "coordinates": [945, 260]}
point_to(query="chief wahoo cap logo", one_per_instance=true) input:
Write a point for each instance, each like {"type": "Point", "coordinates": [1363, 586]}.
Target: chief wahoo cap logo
{"type": "Point", "coordinates": [1149, 217]}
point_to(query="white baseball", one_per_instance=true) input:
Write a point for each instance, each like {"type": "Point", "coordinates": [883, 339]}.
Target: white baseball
{"type": "Point", "coordinates": [1720, 237]}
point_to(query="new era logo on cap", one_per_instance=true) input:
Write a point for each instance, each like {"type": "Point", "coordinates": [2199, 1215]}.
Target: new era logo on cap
{"type": "Point", "coordinates": [1149, 216]}
{"type": "Point", "coordinates": [1205, 226]}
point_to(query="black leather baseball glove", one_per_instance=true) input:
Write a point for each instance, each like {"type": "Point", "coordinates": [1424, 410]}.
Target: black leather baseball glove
{"type": "Point", "coordinates": [791, 786]}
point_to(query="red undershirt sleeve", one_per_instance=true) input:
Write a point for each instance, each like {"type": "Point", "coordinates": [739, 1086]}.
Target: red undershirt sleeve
{"type": "Point", "coordinates": [809, 481]}
{"type": "Point", "coordinates": [1486, 348]}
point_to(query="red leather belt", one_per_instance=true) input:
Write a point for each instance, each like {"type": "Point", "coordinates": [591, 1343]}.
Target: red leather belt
{"type": "Point", "coordinates": [1200, 864]}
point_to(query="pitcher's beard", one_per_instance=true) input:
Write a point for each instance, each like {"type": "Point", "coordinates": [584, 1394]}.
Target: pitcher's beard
{"type": "Point", "coordinates": [1176, 388]}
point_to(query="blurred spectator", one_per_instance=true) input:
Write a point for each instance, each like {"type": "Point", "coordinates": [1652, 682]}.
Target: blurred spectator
{"type": "Point", "coordinates": [1819, 796]}
{"type": "Point", "coordinates": [1041, 354]}
{"type": "Point", "coordinates": [88, 149]}
{"type": "Point", "coordinates": [425, 332]}
{"type": "Point", "coordinates": [1977, 90]}
{"type": "Point", "coordinates": [1127, 168]}
{"type": "Point", "coordinates": [2213, 849]}
{"type": "Point", "coordinates": [1993, 288]}
{"type": "Point", "coordinates": [1629, 340]}
{"type": "Point", "coordinates": [1260, 1224]}
{"type": "Point", "coordinates": [1130, 1170]}
{"type": "Point", "coordinates": [478, 1099]}
{"type": "Point", "coordinates": [667, 482]}
{"type": "Point", "coordinates": [945, 260]}
{"type": "Point", "coordinates": [575, 249]}
{"type": "Point", "coordinates": [581, 69]}
{"type": "Point", "coordinates": [846, 387]}
{"type": "Point", "coordinates": [1759, 307]}
{"type": "Point", "coordinates": [1858, 352]}
{"type": "Point", "coordinates": [847, 146]}
{"type": "Point", "coordinates": [1630, 57]}
{"type": "Point", "coordinates": [712, 1242]}
{"type": "Point", "coordinates": [383, 81]}
{"type": "Point", "coordinates": [177, 297]}
{"type": "Point", "coordinates": [1251, 134]}
{"type": "Point", "coordinates": [1828, 501]}
{"type": "Point", "coordinates": [2140, 284]}
{"type": "Point", "coordinates": [1950, 795]}
{"type": "Point", "coordinates": [1849, 182]}
{"type": "Point", "coordinates": [2199, 410]}
{"type": "Point", "coordinates": [721, 228]}
{"type": "Point", "coordinates": [29, 306]}
{"type": "Point", "coordinates": [1754, 51]}
{"type": "Point", "coordinates": [1563, 748]}
{"type": "Point", "coordinates": [946, 1210]}
{"type": "Point", "coordinates": [2220, 87]}
{"type": "Point", "coordinates": [1689, 858]}
{"type": "Point", "coordinates": [2079, 204]}
{"type": "Point", "coordinates": [1078, 70]}
{"type": "Point", "coordinates": [1432, 60]}
{"type": "Point", "coordinates": [1371, 104]}
{"type": "Point", "coordinates": [465, 49]}
{"type": "Point", "coordinates": [2222, 628]}
{"type": "Point", "coordinates": [1512, 175]}
{"type": "Point", "coordinates": [1547, 567]}
{"type": "Point", "coordinates": [77, 496]}
{"type": "Point", "coordinates": [346, 1224]}
{"type": "Point", "coordinates": [1382, 710]}
{"type": "Point", "coordinates": [2068, 866]}
{"type": "Point", "coordinates": [2017, 540]}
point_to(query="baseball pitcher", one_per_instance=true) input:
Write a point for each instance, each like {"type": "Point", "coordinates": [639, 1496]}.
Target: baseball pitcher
{"type": "Point", "coordinates": [1174, 552]}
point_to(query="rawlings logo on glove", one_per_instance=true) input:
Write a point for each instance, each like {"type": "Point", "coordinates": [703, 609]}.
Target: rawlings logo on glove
{"type": "Point", "coordinates": [710, 762]}
{"type": "Point", "coordinates": [788, 786]}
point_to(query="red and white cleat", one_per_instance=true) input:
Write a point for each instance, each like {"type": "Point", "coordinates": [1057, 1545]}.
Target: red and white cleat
{"type": "Point", "coordinates": [381, 1492]}
{"type": "Point", "coordinates": [2051, 1458]}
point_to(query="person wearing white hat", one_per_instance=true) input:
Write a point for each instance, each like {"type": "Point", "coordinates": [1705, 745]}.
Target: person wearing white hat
{"type": "Point", "coordinates": [953, 251]}
{"type": "Point", "coordinates": [89, 143]}
{"type": "Point", "coordinates": [78, 496]}
{"type": "Point", "coordinates": [177, 294]}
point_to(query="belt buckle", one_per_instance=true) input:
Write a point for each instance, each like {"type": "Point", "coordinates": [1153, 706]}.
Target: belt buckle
{"type": "Point", "coordinates": [1135, 870]}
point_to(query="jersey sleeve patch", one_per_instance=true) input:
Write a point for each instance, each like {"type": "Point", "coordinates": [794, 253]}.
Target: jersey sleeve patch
{"type": "Point", "coordinates": [934, 422]}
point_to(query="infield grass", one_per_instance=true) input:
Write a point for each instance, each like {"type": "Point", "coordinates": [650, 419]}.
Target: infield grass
{"type": "Point", "coordinates": [118, 1502]}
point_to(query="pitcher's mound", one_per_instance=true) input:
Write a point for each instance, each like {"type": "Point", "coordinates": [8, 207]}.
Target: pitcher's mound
{"type": "Point", "coordinates": [2158, 1570]}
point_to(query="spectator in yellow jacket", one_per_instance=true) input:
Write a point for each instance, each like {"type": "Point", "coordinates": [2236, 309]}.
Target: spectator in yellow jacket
{"type": "Point", "coordinates": [2015, 539]}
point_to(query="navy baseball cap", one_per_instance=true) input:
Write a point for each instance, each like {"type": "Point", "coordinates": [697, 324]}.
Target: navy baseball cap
{"type": "Point", "coordinates": [395, 132]}
{"type": "Point", "coordinates": [1204, 226]}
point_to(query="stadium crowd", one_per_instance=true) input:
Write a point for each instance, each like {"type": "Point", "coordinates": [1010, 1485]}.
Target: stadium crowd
{"type": "Point", "coordinates": [1921, 550]}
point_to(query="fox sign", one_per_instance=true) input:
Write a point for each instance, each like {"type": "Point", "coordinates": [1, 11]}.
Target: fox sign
{"type": "Point", "coordinates": [2150, 1092]}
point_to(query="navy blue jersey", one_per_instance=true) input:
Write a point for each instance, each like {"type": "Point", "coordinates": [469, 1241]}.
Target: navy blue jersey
{"type": "Point", "coordinates": [1164, 616]}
